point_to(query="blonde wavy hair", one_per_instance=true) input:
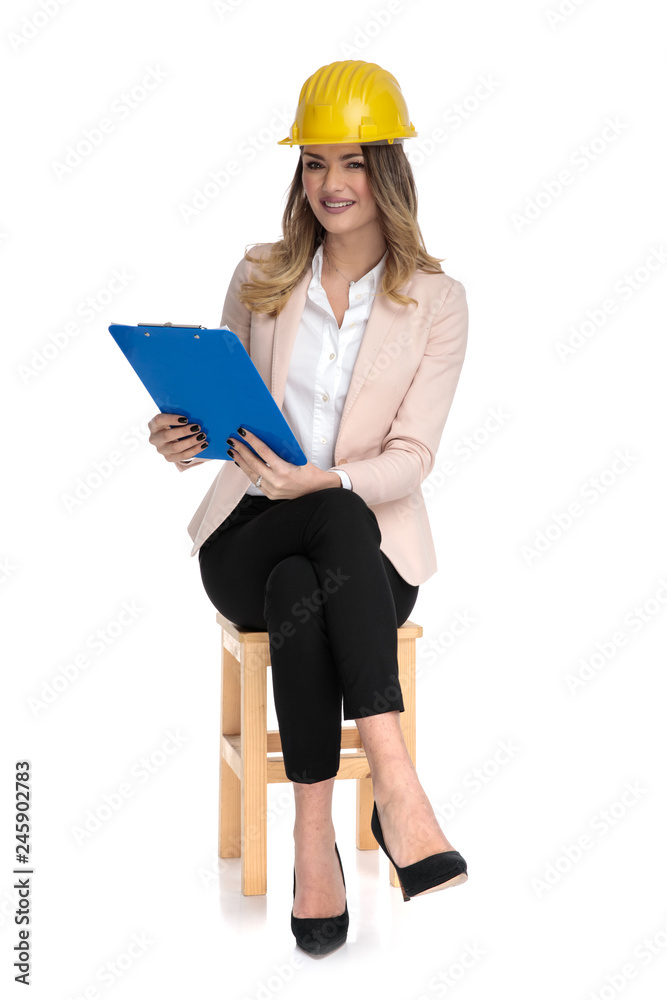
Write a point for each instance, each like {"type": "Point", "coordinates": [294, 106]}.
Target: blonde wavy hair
{"type": "Point", "coordinates": [392, 185]}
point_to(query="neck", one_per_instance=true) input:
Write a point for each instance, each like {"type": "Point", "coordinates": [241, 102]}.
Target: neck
{"type": "Point", "coordinates": [355, 255]}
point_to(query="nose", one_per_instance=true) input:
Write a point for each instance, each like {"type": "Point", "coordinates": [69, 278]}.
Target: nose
{"type": "Point", "coordinates": [334, 181]}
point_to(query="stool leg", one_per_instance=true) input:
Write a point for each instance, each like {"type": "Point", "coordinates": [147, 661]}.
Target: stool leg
{"type": "Point", "coordinates": [229, 798]}
{"type": "Point", "coordinates": [406, 676]}
{"type": "Point", "coordinates": [255, 658]}
{"type": "Point", "coordinates": [365, 839]}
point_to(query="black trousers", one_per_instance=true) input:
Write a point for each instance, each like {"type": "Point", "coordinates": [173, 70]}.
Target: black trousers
{"type": "Point", "coordinates": [310, 572]}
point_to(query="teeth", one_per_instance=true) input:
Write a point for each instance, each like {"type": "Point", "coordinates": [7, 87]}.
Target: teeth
{"type": "Point", "coordinates": [337, 204]}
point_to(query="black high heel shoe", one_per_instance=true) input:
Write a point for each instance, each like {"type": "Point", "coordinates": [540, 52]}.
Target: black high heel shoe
{"type": "Point", "coordinates": [320, 935]}
{"type": "Point", "coordinates": [439, 871]}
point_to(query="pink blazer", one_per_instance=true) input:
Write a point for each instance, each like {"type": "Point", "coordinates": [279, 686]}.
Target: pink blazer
{"type": "Point", "coordinates": [402, 387]}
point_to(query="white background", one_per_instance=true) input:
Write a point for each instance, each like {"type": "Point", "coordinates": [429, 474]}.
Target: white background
{"type": "Point", "coordinates": [535, 94]}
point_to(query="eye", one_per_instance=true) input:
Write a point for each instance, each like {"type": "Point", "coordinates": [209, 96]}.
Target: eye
{"type": "Point", "coordinates": [315, 163]}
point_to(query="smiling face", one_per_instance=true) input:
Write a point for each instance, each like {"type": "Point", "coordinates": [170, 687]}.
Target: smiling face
{"type": "Point", "coordinates": [333, 177]}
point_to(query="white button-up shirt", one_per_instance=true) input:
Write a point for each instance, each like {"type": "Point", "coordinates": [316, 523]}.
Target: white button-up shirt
{"type": "Point", "coordinates": [321, 366]}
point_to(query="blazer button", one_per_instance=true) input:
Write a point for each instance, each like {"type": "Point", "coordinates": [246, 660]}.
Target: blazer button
{"type": "Point", "coordinates": [343, 461]}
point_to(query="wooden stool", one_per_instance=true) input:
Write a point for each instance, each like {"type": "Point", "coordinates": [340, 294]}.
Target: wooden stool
{"type": "Point", "coordinates": [245, 769]}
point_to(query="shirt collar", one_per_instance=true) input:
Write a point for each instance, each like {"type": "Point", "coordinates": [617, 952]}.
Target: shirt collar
{"type": "Point", "coordinates": [374, 276]}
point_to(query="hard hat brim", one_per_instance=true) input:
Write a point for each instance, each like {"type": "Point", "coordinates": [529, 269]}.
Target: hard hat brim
{"type": "Point", "coordinates": [351, 141]}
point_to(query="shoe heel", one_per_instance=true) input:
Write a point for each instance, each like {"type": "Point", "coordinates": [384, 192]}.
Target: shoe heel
{"type": "Point", "coordinates": [428, 875]}
{"type": "Point", "coordinates": [377, 833]}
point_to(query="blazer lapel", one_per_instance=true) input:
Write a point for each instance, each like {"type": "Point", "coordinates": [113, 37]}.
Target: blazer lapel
{"type": "Point", "coordinates": [380, 320]}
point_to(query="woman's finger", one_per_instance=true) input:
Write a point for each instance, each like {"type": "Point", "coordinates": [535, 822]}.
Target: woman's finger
{"type": "Point", "coordinates": [244, 458]}
{"type": "Point", "coordinates": [262, 449]}
{"type": "Point", "coordinates": [187, 447]}
{"type": "Point", "coordinates": [180, 441]}
{"type": "Point", "coordinates": [162, 420]}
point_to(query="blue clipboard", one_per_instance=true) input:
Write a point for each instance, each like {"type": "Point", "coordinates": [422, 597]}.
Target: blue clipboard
{"type": "Point", "coordinates": [207, 376]}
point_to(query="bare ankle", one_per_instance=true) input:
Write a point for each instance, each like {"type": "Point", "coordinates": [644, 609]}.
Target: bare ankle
{"type": "Point", "coordinates": [400, 784]}
{"type": "Point", "coordinates": [307, 831]}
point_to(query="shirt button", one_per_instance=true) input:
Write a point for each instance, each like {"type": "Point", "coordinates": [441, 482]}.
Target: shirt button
{"type": "Point", "coordinates": [357, 296]}
{"type": "Point", "coordinates": [323, 440]}
{"type": "Point", "coordinates": [331, 357]}
{"type": "Point", "coordinates": [325, 398]}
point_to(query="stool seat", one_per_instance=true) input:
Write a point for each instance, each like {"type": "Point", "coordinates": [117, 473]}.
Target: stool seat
{"type": "Point", "coordinates": [246, 770]}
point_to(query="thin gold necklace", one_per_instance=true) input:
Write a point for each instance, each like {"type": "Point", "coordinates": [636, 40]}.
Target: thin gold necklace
{"type": "Point", "coordinates": [350, 283]}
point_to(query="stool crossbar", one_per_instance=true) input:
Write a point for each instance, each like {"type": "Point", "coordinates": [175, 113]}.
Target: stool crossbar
{"type": "Point", "coordinates": [246, 770]}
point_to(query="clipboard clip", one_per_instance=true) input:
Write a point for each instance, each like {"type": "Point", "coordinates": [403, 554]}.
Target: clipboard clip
{"type": "Point", "coordinates": [185, 326]}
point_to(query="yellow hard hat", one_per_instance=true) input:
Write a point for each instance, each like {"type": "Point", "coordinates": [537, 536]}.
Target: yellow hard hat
{"type": "Point", "coordinates": [350, 101]}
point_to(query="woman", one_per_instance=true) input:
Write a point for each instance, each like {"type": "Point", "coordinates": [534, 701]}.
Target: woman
{"type": "Point", "coordinates": [361, 337]}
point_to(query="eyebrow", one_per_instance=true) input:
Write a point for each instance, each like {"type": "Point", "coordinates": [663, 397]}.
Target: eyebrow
{"type": "Point", "coordinates": [346, 156]}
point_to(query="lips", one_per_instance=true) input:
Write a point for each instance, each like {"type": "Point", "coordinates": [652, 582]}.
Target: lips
{"type": "Point", "coordinates": [336, 207]}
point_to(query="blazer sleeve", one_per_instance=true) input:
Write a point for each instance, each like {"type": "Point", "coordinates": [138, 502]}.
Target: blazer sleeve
{"type": "Point", "coordinates": [409, 450]}
{"type": "Point", "coordinates": [237, 317]}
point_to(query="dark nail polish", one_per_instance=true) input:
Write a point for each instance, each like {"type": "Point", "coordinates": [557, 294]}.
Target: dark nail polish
{"type": "Point", "coordinates": [230, 453]}
{"type": "Point", "coordinates": [237, 465]}
{"type": "Point", "coordinates": [182, 420]}
{"type": "Point", "coordinates": [241, 431]}
{"type": "Point", "coordinates": [195, 427]}
{"type": "Point", "coordinates": [229, 441]}
{"type": "Point", "coordinates": [205, 445]}
{"type": "Point", "coordinates": [200, 437]}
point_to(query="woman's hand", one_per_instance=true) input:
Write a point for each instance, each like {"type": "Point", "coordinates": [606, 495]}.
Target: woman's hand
{"type": "Point", "coordinates": [281, 480]}
{"type": "Point", "coordinates": [167, 428]}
